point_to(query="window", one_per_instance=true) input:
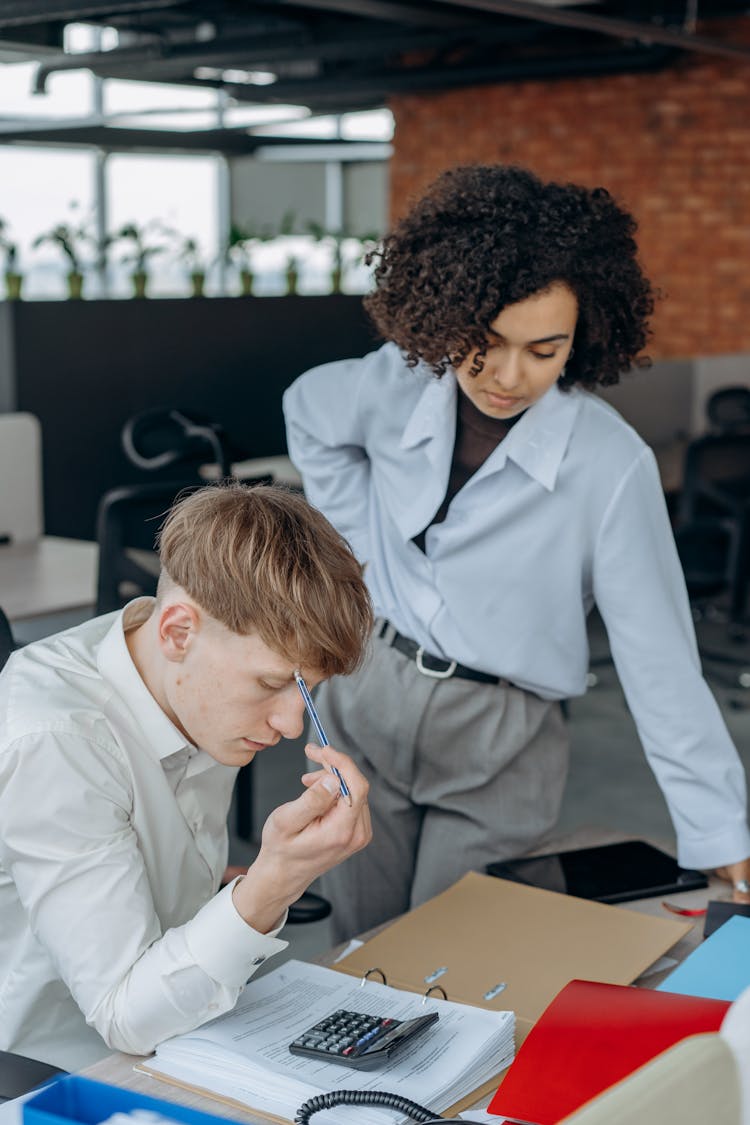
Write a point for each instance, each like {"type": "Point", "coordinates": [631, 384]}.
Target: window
{"type": "Point", "coordinates": [38, 187]}
{"type": "Point", "coordinates": [181, 192]}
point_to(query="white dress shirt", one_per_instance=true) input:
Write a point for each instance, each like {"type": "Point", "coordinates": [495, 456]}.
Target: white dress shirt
{"type": "Point", "coordinates": [566, 512]}
{"type": "Point", "coordinates": [113, 841]}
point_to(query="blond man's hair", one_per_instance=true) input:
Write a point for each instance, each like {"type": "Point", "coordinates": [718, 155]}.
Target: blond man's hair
{"type": "Point", "coordinates": [262, 560]}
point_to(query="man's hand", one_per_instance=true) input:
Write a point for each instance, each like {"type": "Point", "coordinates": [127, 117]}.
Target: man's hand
{"type": "Point", "coordinates": [736, 873]}
{"type": "Point", "coordinates": [304, 838]}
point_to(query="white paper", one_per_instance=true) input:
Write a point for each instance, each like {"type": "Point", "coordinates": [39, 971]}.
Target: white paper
{"type": "Point", "coordinates": [245, 1054]}
{"type": "Point", "coordinates": [482, 1117]}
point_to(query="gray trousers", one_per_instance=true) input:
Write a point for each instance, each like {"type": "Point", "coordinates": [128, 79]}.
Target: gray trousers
{"type": "Point", "coordinates": [461, 773]}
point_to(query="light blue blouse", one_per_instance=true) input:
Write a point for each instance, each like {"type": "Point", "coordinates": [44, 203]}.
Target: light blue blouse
{"type": "Point", "coordinates": [566, 512]}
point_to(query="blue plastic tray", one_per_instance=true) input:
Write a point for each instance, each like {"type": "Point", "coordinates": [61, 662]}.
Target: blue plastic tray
{"type": "Point", "coordinates": [73, 1099]}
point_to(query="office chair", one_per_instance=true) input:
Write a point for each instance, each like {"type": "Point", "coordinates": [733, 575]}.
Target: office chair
{"type": "Point", "coordinates": [163, 437]}
{"type": "Point", "coordinates": [716, 477]}
{"type": "Point", "coordinates": [728, 409]}
{"type": "Point", "coordinates": [712, 532]}
{"type": "Point", "coordinates": [127, 523]}
{"type": "Point", "coordinates": [709, 552]}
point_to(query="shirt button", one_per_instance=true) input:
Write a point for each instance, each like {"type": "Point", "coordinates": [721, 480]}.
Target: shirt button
{"type": "Point", "coordinates": [258, 960]}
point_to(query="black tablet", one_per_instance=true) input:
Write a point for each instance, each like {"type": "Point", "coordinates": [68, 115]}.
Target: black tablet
{"type": "Point", "coordinates": [610, 873]}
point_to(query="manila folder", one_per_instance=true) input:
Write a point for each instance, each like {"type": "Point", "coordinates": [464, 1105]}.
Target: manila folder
{"type": "Point", "coordinates": [499, 944]}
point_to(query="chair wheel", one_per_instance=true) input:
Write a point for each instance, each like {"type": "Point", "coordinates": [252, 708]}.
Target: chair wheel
{"type": "Point", "coordinates": [309, 907]}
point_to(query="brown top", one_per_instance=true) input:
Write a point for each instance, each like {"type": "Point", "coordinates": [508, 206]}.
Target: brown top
{"type": "Point", "coordinates": [477, 434]}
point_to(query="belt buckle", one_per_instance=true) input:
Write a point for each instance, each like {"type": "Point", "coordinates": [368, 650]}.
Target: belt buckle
{"type": "Point", "coordinates": [444, 675]}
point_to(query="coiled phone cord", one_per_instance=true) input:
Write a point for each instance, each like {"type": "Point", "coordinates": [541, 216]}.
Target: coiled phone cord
{"type": "Point", "coordinates": [371, 1097]}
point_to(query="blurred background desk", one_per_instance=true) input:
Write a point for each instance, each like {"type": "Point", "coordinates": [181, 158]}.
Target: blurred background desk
{"type": "Point", "coordinates": [41, 576]}
{"type": "Point", "coordinates": [46, 577]}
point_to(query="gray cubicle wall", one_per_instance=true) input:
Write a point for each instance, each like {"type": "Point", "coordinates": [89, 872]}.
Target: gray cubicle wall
{"type": "Point", "coordinates": [84, 367]}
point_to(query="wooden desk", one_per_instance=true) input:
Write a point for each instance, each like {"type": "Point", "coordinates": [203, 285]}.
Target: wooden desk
{"type": "Point", "coordinates": [118, 1069]}
{"type": "Point", "coordinates": [47, 576]}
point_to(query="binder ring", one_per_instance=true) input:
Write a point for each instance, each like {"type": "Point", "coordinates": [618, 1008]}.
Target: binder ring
{"type": "Point", "coordinates": [434, 988]}
{"type": "Point", "coordinates": [367, 972]}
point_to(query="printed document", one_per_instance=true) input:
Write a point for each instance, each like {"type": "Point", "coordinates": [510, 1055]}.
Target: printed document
{"type": "Point", "coordinates": [244, 1055]}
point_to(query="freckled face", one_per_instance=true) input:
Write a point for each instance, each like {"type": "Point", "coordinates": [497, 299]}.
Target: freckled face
{"type": "Point", "coordinates": [527, 348]}
{"type": "Point", "coordinates": [233, 696]}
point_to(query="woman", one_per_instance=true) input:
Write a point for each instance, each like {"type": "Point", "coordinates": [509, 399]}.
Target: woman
{"type": "Point", "coordinates": [494, 500]}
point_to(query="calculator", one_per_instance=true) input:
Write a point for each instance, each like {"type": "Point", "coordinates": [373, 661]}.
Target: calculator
{"type": "Point", "coordinates": [356, 1039]}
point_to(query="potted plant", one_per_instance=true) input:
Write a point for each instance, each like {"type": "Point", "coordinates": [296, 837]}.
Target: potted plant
{"type": "Point", "coordinates": [69, 237]}
{"type": "Point", "coordinates": [13, 279]}
{"type": "Point", "coordinates": [345, 249]}
{"type": "Point", "coordinates": [241, 242]}
{"type": "Point", "coordinates": [286, 230]}
{"type": "Point", "coordinates": [291, 273]}
{"type": "Point", "coordinates": [142, 250]}
{"type": "Point", "coordinates": [192, 256]}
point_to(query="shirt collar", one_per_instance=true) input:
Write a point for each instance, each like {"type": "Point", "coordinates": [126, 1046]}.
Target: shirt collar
{"type": "Point", "coordinates": [537, 443]}
{"type": "Point", "coordinates": [434, 414]}
{"type": "Point", "coordinates": [539, 440]}
{"type": "Point", "coordinates": [116, 666]}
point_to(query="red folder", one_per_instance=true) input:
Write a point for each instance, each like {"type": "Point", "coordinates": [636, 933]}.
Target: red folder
{"type": "Point", "coordinates": [590, 1037]}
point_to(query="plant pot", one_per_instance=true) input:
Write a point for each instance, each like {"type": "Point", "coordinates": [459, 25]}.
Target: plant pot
{"type": "Point", "coordinates": [292, 278]}
{"type": "Point", "coordinates": [336, 277]}
{"type": "Point", "coordinates": [13, 284]}
{"type": "Point", "coordinates": [246, 283]}
{"type": "Point", "coordinates": [75, 285]}
{"type": "Point", "coordinates": [197, 282]}
{"type": "Point", "coordinates": [139, 280]}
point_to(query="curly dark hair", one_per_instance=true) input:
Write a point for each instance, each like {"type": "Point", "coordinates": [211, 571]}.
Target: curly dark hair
{"type": "Point", "coordinates": [487, 236]}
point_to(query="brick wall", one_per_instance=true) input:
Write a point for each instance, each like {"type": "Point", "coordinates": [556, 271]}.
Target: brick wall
{"type": "Point", "coordinates": [673, 146]}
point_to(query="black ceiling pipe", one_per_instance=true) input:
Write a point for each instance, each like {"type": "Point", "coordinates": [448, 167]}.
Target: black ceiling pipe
{"type": "Point", "coordinates": [380, 85]}
{"type": "Point", "coordinates": [174, 60]}
{"type": "Point", "coordinates": [15, 13]}
{"type": "Point", "coordinates": [583, 20]}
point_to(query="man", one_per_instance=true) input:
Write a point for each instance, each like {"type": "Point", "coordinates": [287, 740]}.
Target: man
{"type": "Point", "coordinates": [119, 745]}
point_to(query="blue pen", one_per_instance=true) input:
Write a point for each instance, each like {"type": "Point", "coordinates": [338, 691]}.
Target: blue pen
{"type": "Point", "coordinates": [322, 737]}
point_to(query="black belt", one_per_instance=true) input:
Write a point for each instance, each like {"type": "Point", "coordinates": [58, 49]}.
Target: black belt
{"type": "Point", "coordinates": [430, 665]}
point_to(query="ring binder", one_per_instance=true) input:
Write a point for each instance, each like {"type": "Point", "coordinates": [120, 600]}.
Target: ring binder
{"type": "Point", "coordinates": [491, 993]}
{"type": "Point", "coordinates": [436, 974]}
{"type": "Point", "coordinates": [365, 975]}
{"type": "Point", "coordinates": [433, 988]}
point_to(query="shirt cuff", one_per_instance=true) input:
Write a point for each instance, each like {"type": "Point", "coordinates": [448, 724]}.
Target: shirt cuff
{"type": "Point", "coordinates": [224, 945]}
{"type": "Point", "coordinates": [731, 845]}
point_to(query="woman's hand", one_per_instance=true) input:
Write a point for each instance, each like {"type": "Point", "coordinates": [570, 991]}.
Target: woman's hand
{"type": "Point", "coordinates": [737, 873]}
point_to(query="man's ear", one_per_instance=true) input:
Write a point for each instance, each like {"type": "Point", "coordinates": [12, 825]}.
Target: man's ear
{"type": "Point", "coordinates": [179, 623]}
